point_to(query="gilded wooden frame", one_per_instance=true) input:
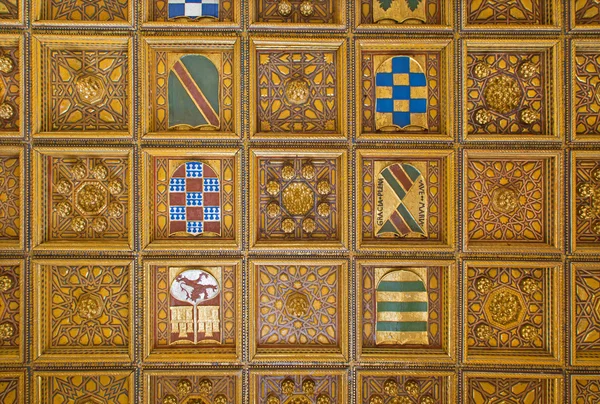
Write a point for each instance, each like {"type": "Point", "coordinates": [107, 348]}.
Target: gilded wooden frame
{"type": "Point", "coordinates": [42, 389]}
{"type": "Point", "coordinates": [23, 386]}
{"type": "Point", "coordinates": [441, 356]}
{"type": "Point", "coordinates": [553, 89]}
{"type": "Point", "coordinates": [552, 329]}
{"type": "Point", "coordinates": [195, 355]}
{"type": "Point", "coordinates": [149, 374]}
{"type": "Point", "coordinates": [446, 49]}
{"type": "Point", "coordinates": [41, 86]}
{"type": "Point", "coordinates": [19, 41]}
{"type": "Point", "coordinates": [551, 7]}
{"type": "Point", "coordinates": [342, 200]}
{"type": "Point", "coordinates": [40, 197]}
{"type": "Point", "coordinates": [577, 45]}
{"type": "Point", "coordinates": [554, 390]}
{"type": "Point", "coordinates": [448, 200]}
{"type": "Point", "coordinates": [448, 18]}
{"type": "Point", "coordinates": [339, 15]}
{"type": "Point", "coordinates": [342, 375]}
{"type": "Point", "coordinates": [296, 43]}
{"type": "Point", "coordinates": [298, 353]}
{"type": "Point", "coordinates": [37, 11]}
{"type": "Point", "coordinates": [16, 356]}
{"type": "Point", "coordinates": [42, 354]}
{"type": "Point", "coordinates": [579, 358]}
{"type": "Point", "coordinates": [148, 241]}
{"type": "Point", "coordinates": [207, 25]}
{"type": "Point", "coordinates": [17, 152]}
{"type": "Point", "coordinates": [553, 211]}
{"type": "Point", "coordinates": [185, 44]}
{"type": "Point", "coordinates": [449, 387]}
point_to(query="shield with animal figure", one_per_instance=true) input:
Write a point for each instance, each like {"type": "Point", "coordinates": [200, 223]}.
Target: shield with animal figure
{"type": "Point", "coordinates": [195, 200]}
{"type": "Point", "coordinates": [195, 307]}
{"type": "Point", "coordinates": [401, 95]}
{"type": "Point", "coordinates": [401, 202]}
{"type": "Point", "coordinates": [194, 83]}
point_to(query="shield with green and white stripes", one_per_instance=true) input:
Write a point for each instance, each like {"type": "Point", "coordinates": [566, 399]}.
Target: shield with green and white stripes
{"type": "Point", "coordinates": [402, 309]}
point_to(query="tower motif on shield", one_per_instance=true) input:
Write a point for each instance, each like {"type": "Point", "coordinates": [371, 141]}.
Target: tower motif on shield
{"type": "Point", "coordinates": [401, 201]}
{"type": "Point", "coordinates": [193, 9]}
{"type": "Point", "coordinates": [402, 308]}
{"type": "Point", "coordinates": [195, 200]}
{"type": "Point", "coordinates": [195, 306]}
{"type": "Point", "coordinates": [193, 89]}
{"type": "Point", "coordinates": [401, 95]}
{"type": "Point", "coordinates": [399, 11]}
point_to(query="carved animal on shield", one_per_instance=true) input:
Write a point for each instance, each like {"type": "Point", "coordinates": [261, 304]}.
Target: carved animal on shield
{"type": "Point", "coordinates": [198, 291]}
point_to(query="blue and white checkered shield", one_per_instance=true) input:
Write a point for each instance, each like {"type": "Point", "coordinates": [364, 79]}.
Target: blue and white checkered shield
{"type": "Point", "coordinates": [193, 8]}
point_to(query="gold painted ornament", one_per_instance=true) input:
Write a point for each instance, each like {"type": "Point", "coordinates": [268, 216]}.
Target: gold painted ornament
{"type": "Point", "coordinates": [284, 8]}
{"type": "Point", "coordinates": [6, 111]}
{"type": "Point", "coordinates": [6, 64]}
{"type": "Point", "coordinates": [502, 94]}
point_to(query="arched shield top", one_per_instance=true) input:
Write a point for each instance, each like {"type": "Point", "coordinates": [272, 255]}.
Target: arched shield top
{"type": "Point", "coordinates": [402, 309]}
{"type": "Point", "coordinates": [400, 11]}
{"type": "Point", "coordinates": [401, 202]}
{"type": "Point", "coordinates": [194, 84]}
{"type": "Point", "coordinates": [401, 95]}
{"type": "Point", "coordinates": [195, 200]}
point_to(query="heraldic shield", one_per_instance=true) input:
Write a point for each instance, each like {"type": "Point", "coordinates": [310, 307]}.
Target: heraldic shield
{"type": "Point", "coordinates": [193, 9]}
{"type": "Point", "coordinates": [399, 11]}
{"type": "Point", "coordinates": [401, 95]}
{"type": "Point", "coordinates": [195, 200]}
{"type": "Point", "coordinates": [401, 198]}
{"type": "Point", "coordinates": [194, 93]}
{"type": "Point", "coordinates": [402, 309]}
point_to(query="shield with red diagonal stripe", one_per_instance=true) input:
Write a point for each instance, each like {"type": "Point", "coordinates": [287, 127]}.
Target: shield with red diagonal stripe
{"type": "Point", "coordinates": [401, 202]}
{"type": "Point", "coordinates": [194, 93]}
{"type": "Point", "coordinates": [195, 200]}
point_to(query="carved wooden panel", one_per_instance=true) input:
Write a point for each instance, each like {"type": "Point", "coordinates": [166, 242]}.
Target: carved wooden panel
{"type": "Point", "coordinates": [298, 88]}
{"type": "Point", "coordinates": [84, 310]}
{"type": "Point", "coordinates": [11, 310]}
{"type": "Point", "coordinates": [512, 312]}
{"type": "Point", "coordinates": [405, 311]}
{"type": "Point", "coordinates": [117, 12]}
{"type": "Point", "coordinates": [89, 387]}
{"type": "Point", "coordinates": [11, 195]}
{"type": "Point", "coordinates": [192, 310]}
{"type": "Point", "coordinates": [12, 387]}
{"type": "Point", "coordinates": [306, 386]}
{"type": "Point", "coordinates": [512, 200]}
{"type": "Point", "coordinates": [498, 13]}
{"type": "Point", "coordinates": [85, 197]}
{"type": "Point", "coordinates": [511, 91]}
{"type": "Point", "coordinates": [298, 198]}
{"type": "Point", "coordinates": [405, 198]}
{"type": "Point", "coordinates": [299, 201]}
{"type": "Point", "coordinates": [431, 121]}
{"type": "Point", "coordinates": [218, 387]}
{"type": "Point", "coordinates": [390, 14]}
{"type": "Point", "coordinates": [482, 388]}
{"type": "Point", "coordinates": [394, 386]}
{"type": "Point", "coordinates": [299, 307]}
{"type": "Point", "coordinates": [83, 87]}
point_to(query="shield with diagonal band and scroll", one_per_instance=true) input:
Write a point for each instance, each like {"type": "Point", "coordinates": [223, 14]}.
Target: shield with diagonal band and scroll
{"type": "Point", "coordinates": [401, 203]}
{"type": "Point", "coordinates": [194, 93]}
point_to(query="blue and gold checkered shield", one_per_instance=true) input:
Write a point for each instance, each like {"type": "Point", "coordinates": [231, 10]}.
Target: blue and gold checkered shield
{"type": "Point", "coordinates": [401, 95]}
